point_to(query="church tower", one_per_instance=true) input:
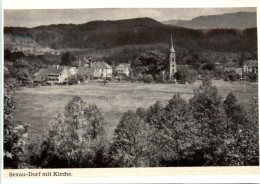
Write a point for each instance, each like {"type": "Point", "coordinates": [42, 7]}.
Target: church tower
{"type": "Point", "coordinates": [171, 60]}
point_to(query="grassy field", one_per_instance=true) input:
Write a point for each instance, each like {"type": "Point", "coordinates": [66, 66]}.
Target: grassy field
{"type": "Point", "coordinates": [40, 106]}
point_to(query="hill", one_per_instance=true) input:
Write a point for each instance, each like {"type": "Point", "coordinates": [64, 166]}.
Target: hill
{"type": "Point", "coordinates": [239, 20]}
{"type": "Point", "coordinates": [111, 34]}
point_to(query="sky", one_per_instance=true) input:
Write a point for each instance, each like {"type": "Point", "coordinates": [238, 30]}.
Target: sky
{"type": "Point", "coordinates": [37, 17]}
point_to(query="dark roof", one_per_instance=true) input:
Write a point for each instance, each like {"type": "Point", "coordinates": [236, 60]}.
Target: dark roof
{"type": "Point", "coordinates": [55, 71]}
{"type": "Point", "coordinates": [88, 72]}
{"type": "Point", "coordinates": [123, 65]}
{"type": "Point", "coordinates": [251, 63]}
{"type": "Point", "coordinates": [48, 71]}
{"type": "Point", "coordinates": [101, 65]}
{"type": "Point", "coordinates": [40, 75]}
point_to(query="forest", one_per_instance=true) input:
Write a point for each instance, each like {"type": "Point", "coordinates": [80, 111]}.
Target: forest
{"type": "Point", "coordinates": [110, 34]}
{"type": "Point", "coordinates": [201, 131]}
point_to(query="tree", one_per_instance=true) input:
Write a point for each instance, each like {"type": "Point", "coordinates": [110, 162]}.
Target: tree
{"type": "Point", "coordinates": [241, 145]}
{"type": "Point", "coordinates": [67, 59]}
{"type": "Point", "coordinates": [184, 75]}
{"type": "Point", "coordinates": [130, 145]}
{"type": "Point", "coordinates": [151, 62]}
{"type": "Point", "coordinates": [171, 136]}
{"type": "Point", "coordinates": [76, 139]}
{"type": "Point", "coordinates": [206, 111]}
{"type": "Point", "coordinates": [15, 133]}
{"type": "Point", "coordinates": [148, 78]}
{"type": "Point", "coordinates": [235, 114]}
{"type": "Point", "coordinates": [231, 75]}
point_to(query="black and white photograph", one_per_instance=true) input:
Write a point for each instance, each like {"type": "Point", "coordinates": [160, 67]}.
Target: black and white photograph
{"type": "Point", "coordinates": [130, 87]}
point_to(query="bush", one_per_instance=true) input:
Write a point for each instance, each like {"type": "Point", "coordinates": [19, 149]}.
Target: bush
{"type": "Point", "coordinates": [186, 75]}
{"type": "Point", "coordinates": [15, 133]}
{"type": "Point", "coordinates": [148, 78]}
{"type": "Point", "coordinates": [252, 77]}
{"type": "Point", "coordinates": [231, 75]}
{"type": "Point", "coordinates": [76, 140]}
{"type": "Point", "coordinates": [218, 73]}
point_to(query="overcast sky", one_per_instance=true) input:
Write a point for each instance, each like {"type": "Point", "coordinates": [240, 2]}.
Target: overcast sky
{"type": "Point", "coordinates": [32, 18]}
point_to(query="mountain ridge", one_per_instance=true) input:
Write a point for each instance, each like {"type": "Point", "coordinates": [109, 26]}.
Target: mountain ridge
{"type": "Point", "coordinates": [238, 20]}
{"type": "Point", "coordinates": [110, 34]}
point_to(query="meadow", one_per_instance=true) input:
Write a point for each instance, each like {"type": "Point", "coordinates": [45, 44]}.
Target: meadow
{"type": "Point", "coordinates": [41, 105]}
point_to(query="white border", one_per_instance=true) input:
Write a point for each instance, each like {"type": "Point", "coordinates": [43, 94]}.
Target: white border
{"type": "Point", "coordinates": [54, 4]}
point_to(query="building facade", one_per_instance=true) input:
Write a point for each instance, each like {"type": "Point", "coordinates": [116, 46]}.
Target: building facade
{"type": "Point", "coordinates": [250, 66]}
{"type": "Point", "coordinates": [171, 69]}
{"type": "Point", "coordinates": [123, 69]}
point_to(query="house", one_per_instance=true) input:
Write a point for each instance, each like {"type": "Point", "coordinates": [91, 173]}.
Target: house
{"type": "Point", "coordinates": [250, 66]}
{"type": "Point", "coordinates": [93, 70]}
{"type": "Point", "coordinates": [123, 69]}
{"type": "Point", "coordinates": [41, 75]}
{"type": "Point", "coordinates": [21, 63]}
{"type": "Point", "coordinates": [102, 67]}
{"type": "Point", "coordinates": [73, 71]}
{"type": "Point", "coordinates": [88, 73]}
{"type": "Point", "coordinates": [52, 75]}
{"type": "Point", "coordinates": [232, 66]}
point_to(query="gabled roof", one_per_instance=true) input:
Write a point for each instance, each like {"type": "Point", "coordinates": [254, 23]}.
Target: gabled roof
{"type": "Point", "coordinates": [251, 63]}
{"type": "Point", "coordinates": [123, 65]}
{"type": "Point", "coordinates": [40, 75]}
{"type": "Point", "coordinates": [89, 72]}
{"type": "Point", "coordinates": [48, 71]}
{"type": "Point", "coordinates": [101, 65]}
{"type": "Point", "coordinates": [55, 71]}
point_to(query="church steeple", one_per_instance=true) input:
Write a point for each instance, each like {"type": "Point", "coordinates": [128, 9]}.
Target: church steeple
{"type": "Point", "coordinates": [171, 46]}
{"type": "Point", "coordinates": [171, 60]}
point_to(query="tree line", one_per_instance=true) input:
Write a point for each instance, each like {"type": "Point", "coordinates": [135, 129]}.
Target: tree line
{"type": "Point", "coordinates": [201, 131]}
{"type": "Point", "coordinates": [110, 34]}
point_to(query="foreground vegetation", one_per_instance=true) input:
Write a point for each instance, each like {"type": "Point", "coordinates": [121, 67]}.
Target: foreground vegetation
{"type": "Point", "coordinates": [201, 130]}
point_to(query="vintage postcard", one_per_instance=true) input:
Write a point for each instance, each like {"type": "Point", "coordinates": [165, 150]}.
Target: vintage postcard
{"type": "Point", "coordinates": [140, 91]}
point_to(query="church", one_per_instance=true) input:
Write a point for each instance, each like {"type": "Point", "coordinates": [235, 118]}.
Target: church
{"type": "Point", "coordinates": [171, 67]}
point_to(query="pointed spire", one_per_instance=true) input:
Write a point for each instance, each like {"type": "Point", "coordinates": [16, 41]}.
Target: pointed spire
{"type": "Point", "coordinates": [171, 41]}
{"type": "Point", "coordinates": [171, 46]}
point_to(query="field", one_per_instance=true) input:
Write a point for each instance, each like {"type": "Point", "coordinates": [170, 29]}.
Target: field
{"type": "Point", "coordinates": [40, 106]}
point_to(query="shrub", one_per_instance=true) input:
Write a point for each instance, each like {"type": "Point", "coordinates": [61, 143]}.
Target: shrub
{"type": "Point", "coordinates": [148, 78]}
{"type": "Point", "coordinates": [15, 133]}
{"type": "Point", "coordinates": [231, 75]}
{"type": "Point", "coordinates": [76, 139]}
{"type": "Point", "coordinates": [186, 75]}
{"type": "Point", "coordinates": [130, 146]}
{"type": "Point", "coordinates": [252, 77]}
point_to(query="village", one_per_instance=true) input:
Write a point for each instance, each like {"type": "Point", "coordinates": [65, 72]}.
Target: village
{"type": "Point", "coordinates": [85, 70]}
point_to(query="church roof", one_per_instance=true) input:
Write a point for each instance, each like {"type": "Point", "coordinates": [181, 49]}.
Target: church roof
{"type": "Point", "coordinates": [171, 46]}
